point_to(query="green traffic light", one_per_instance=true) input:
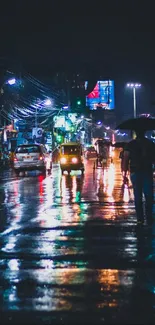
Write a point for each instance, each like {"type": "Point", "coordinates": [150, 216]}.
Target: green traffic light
{"type": "Point", "coordinates": [59, 138]}
{"type": "Point", "coordinates": [79, 102]}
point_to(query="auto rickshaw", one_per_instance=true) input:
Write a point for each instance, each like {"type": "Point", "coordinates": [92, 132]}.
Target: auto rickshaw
{"type": "Point", "coordinates": [103, 152]}
{"type": "Point", "coordinates": [71, 157]}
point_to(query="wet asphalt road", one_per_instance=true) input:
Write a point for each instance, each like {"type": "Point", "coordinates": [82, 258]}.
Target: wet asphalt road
{"type": "Point", "coordinates": [71, 251]}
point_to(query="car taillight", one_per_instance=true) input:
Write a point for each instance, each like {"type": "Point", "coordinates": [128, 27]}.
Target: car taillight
{"type": "Point", "coordinates": [41, 157]}
{"type": "Point", "coordinates": [15, 158]}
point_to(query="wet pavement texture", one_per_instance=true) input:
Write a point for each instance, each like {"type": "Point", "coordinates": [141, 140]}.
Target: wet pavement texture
{"type": "Point", "coordinates": [71, 251]}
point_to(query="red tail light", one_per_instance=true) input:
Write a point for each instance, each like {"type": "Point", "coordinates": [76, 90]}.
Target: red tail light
{"type": "Point", "coordinates": [41, 157]}
{"type": "Point", "coordinates": [15, 158]}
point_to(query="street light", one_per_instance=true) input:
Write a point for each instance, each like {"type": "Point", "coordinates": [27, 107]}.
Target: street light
{"type": "Point", "coordinates": [134, 86]}
{"type": "Point", "coordinates": [46, 102]}
{"type": "Point", "coordinates": [11, 81]}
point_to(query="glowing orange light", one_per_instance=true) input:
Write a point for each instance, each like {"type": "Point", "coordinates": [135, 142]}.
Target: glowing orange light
{"type": "Point", "coordinates": [63, 160]}
{"type": "Point", "coordinates": [74, 160]}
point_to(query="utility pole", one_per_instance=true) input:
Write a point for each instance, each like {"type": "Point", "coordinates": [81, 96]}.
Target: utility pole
{"type": "Point", "coordinates": [91, 131]}
{"type": "Point", "coordinates": [134, 87]}
{"type": "Point", "coordinates": [134, 102]}
{"type": "Point", "coordinates": [36, 118]}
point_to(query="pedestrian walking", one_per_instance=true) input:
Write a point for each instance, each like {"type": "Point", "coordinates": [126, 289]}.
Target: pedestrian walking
{"type": "Point", "coordinates": [121, 157]}
{"type": "Point", "coordinates": [139, 156]}
{"type": "Point", "coordinates": [124, 173]}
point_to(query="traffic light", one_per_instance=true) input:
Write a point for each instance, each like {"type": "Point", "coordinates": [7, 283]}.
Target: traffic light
{"type": "Point", "coordinates": [59, 138]}
{"type": "Point", "coordinates": [78, 102]}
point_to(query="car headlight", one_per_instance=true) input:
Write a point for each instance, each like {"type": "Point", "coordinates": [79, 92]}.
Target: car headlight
{"type": "Point", "coordinates": [63, 160]}
{"type": "Point", "coordinates": [74, 160]}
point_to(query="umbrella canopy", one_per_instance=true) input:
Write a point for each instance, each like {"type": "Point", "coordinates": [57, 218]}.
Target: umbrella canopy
{"type": "Point", "coordinates": [140, 123]}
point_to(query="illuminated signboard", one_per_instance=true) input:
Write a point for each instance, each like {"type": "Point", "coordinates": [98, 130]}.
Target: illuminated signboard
{"type": "Point", "coordinates": [61, 122]}
{"type": "Point", "coordinates": [102, 95]}
{"type": "Point", "coordinates": [72, 117]}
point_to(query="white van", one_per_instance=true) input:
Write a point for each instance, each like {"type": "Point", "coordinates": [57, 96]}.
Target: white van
{"type": "Point", "coordinates": [30, 157]}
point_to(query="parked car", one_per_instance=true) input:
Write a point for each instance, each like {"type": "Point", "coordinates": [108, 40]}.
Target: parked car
{"type": "Point", "coordinates": [31, 157]}
{"type": "Point", "coordinates": [90, 153]}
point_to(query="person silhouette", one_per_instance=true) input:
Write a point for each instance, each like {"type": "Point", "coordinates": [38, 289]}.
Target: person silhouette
{"type": "Point", "coordinates": [139, 156]}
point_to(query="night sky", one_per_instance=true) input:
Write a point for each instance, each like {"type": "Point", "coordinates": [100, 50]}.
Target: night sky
{"type": "Point", "coordinates": [115, 39]}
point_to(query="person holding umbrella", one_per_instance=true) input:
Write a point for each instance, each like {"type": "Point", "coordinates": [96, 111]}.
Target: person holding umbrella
{"type": "Point", "coordinates": [139, 156]}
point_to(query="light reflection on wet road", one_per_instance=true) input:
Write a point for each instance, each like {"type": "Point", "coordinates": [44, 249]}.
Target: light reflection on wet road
{"type": "Point", "coordinates": [71, 251]}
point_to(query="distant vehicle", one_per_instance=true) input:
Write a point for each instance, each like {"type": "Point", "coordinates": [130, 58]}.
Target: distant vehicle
{"type": "Point", "coordinates": [103, 152]}
{"type": "Point", "coordinates": [90, 153]}
{"type": "Point", "coordinates": [145, 115]}
{"type": "Point", "coordinates": [31, 157]}
{"type": "Point", "coordinates": [71, 157]}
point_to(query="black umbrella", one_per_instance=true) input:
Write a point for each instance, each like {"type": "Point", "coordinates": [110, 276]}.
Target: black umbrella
{"type": "Point", "coordinates": [139, 123]}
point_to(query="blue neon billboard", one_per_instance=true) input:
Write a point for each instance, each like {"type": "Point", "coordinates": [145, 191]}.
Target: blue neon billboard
{"type": "Point", "coordinates": [102, 95]}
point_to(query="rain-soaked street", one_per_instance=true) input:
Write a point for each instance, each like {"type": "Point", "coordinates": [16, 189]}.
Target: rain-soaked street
{"type": "Point", "coordinates": [71, 251]}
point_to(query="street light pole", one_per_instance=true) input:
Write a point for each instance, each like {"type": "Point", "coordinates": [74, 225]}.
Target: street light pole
{"type": "Point", "coordinates": [134, 86]}
{"type": "Point", "coordinates": [36, 118]}
{"type": "Point", "coordinates": [134, 102]}
{"type": "Point", "coordinates": [91, 131]}
{"type": "Point", "coordinates": [10, 82]}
